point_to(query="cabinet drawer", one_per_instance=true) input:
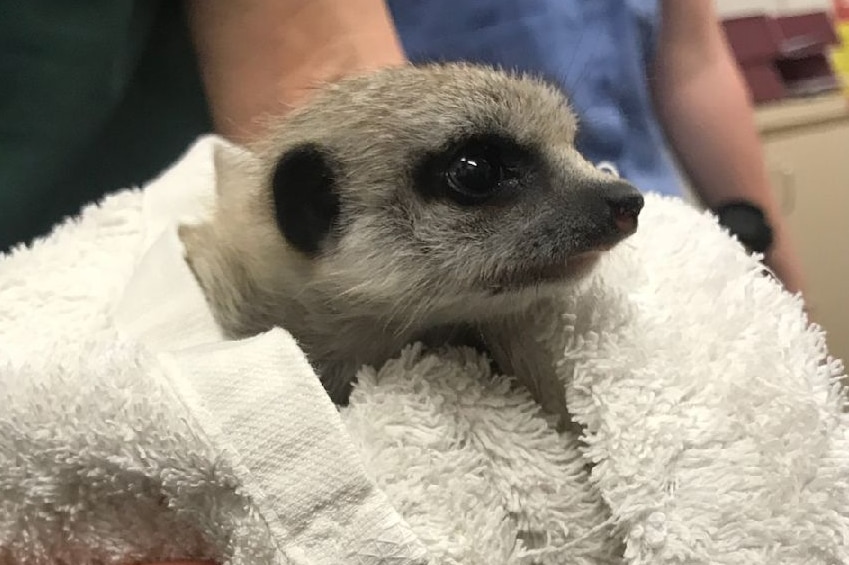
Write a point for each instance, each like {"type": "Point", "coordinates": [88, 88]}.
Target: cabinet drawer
{"type": "Point", "coordinates": [810, 169]}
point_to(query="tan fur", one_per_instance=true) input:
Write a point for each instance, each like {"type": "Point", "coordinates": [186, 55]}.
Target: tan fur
{"type": "Point", "coordinates": [400, 269]}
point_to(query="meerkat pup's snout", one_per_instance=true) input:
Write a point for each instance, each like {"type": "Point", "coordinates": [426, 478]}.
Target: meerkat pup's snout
{"type": "Point", "coordinates": [422, 203]}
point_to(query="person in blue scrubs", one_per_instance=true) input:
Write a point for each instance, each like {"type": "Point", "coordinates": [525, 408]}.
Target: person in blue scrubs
{"type": "Point", "coordinates": [650, 80]}
{"type": "Point", "coordinates": [599, 51]}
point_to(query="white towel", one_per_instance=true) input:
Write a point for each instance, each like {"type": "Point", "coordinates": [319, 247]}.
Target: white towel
{"type": "Point", "coordinates": [129, 430]}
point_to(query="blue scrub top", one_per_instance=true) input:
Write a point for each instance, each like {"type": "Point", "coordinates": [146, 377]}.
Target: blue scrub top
{"type": "Point", "coordinates": [599, 51]}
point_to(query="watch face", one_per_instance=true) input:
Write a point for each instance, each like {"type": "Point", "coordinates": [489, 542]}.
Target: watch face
{"type": "Point", "coordinates": [748, 224]}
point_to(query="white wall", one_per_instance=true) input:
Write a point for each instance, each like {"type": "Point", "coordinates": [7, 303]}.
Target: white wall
{"type": "Point", "coordinates": [731, 8]}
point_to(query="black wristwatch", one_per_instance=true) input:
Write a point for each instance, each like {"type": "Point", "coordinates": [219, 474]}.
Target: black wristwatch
{"type": "Point", "coordinates": [748, 223]}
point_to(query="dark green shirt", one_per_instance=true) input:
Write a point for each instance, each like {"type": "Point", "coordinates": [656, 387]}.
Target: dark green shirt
{"type": "Point", "coordinates": [95, 96]}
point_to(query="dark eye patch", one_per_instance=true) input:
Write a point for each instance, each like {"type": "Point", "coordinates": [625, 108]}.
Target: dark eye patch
{"type": "Point", "coordinates": [306, 199]}
{"type": "Point", "coordinates": [474, 170]}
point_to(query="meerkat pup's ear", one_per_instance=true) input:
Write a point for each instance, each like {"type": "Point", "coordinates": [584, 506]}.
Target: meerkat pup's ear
{"type": "Point", "coordinates": [306, 199]}
{"type": "Point", "coordinates": [233, 167]}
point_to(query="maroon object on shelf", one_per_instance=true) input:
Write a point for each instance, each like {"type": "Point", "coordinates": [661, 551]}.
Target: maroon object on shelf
{"type": "Point", "coordinates": [783, 56]}
{"type": "Point", "coordinates": [755, 41]}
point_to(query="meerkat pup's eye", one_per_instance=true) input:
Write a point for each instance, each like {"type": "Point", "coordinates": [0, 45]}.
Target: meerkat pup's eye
{"type": "Point", "coordinates": [475, 173]}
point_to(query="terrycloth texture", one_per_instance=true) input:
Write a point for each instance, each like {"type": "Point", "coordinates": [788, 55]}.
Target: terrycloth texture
{"type": "Point", "coordinates": [130, 431]}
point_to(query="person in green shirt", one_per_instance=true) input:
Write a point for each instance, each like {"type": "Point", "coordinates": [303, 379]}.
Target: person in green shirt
{"type": "Point", "coordinates": [96, 96]}
{"type": "Point", "coordinates": [103, 95]}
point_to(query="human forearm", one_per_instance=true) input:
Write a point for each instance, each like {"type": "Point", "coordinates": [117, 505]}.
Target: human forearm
{"type": "Point", "coordinates": [260, 57]}
{"type": "Point", "coordinates": [704, 106]}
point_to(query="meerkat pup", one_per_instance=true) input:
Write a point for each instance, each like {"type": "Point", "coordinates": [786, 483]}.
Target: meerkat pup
{"type": "Point", "coordinates": [432, 203]}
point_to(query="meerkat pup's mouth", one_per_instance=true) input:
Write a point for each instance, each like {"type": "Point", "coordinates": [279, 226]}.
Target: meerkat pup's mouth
{"type": "Point", "coordinates": [397, 203]}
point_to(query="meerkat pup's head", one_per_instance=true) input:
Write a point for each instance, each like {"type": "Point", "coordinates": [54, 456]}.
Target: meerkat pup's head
{"type": "Point", "coordinates": [418, 191]}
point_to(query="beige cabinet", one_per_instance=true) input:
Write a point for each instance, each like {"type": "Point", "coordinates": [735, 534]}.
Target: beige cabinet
{"type": "Point", "coordinates": [806, 143]}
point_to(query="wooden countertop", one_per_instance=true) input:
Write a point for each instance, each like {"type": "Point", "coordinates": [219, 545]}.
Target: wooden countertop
{"type": "Point", "coordinates": [799, 112]}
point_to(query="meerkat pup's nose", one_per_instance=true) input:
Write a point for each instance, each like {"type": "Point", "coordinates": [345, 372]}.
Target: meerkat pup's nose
{"type": "Point", "coordinates": [625, 203]}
